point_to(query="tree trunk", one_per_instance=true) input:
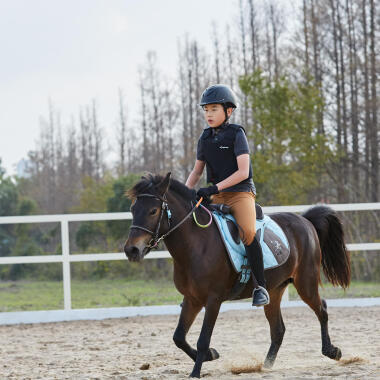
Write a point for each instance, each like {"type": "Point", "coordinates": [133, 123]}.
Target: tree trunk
{"type": "Point", "coordinates": [216, 52]}
{"type": "Point", "coordinates": [367, 106]}
{"type": "Point", "coordinates": [274, 21]}
{"type": "Point", "coordinates": [374, 126]}
{"type": "Point", "coordinates": [345, 172]}
{"type": "Point", "coordinates": [144, 122]}
{"type": "Point", "coordinates": [253, 34]}
{"type": "Point", "coordinates": [353, 97]}
{"type": "Point", "coordinates": [306, 36]}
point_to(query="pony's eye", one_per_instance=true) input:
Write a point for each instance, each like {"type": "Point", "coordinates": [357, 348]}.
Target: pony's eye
{"type": "Point", "coordinates": [153, 212]}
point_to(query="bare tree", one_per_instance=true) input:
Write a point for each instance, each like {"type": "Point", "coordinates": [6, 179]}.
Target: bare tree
{"type": "Point", "coordinates": [275, 23]}
{"type": "Point", "coordinates": [230, 60]}
{"type": "Point", "coordinates": [144, 118]}
{"type": "Point", "coordinates": [215, 38]}
{"type": "Point", "coordinates": [353, 91]}
{"type": "Point", "coordinates": [367, 106]}
{"type": "Point", "coordinates": [306, 35]}
{"type": "Point", "coordinates": [374, 109]}
{"type": "Point", "coordinates": [121, 136]}
{"type": "Point", "coordinates": [98, 146]}
{"type": "Point", "coordinates": [254, 32]}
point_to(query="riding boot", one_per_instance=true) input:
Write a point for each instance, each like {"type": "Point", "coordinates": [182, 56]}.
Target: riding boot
{"type": "Point", "coordinates": [260, 296]}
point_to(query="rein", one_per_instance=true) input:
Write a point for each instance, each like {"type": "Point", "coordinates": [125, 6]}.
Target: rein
{"type": "Point", "coordinates": [203, 225]}
{"type": "Point", "coordinates": [164, 206]}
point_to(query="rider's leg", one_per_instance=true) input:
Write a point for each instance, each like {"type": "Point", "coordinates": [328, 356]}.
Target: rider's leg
{"type": "Point", "coordinates": [255, 258]}
{"type": "Point", "coordinates": [260, 296]}
{"type": "Point", "coordinates": [243, 209]}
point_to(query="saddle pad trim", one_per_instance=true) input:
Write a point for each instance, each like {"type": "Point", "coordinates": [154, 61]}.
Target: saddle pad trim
{"type": "Point", "coordinates": [236, 252]}
{"type": "Point", "coordinates": [230, 244]}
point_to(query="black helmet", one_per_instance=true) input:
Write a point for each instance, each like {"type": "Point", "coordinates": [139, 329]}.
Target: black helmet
{"type": "Point", "coordinates": [219, 94]}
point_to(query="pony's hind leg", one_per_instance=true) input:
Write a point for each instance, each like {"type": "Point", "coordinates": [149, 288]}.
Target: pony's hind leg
{"type": "Point", "coordinates": [277, 327]}
{"type": "Point", "coordinates": [309, 293]}
{"type": "Point", "coordinates": [328, 349]}
{"type": "Point", "coordinates": [188, 313]}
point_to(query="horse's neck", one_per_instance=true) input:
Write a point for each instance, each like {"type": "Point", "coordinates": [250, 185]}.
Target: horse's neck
{"type": "Point", "coordinates": [181, 240]}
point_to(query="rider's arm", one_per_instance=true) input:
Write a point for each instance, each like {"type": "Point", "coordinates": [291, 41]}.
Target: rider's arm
{"type": "Point", "coordinates": [240, 175]}
{"type": "Point", "coordinates": [195, 174]}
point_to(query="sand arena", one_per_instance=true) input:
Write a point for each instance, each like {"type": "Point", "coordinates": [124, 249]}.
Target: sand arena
{"type": "Point", "coordinates": [122, 348]}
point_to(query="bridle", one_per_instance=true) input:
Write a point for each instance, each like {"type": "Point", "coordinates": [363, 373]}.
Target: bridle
{"type": "Point", "coordinates": [164, 207]}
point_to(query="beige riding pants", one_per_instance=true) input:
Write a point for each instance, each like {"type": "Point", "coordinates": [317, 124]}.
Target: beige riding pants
{"type": "Point", "coordinates": [243, 209]}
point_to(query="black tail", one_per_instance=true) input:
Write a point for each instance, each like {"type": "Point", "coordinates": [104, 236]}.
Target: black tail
{"type": "Point", "coordinates": [335, 257]}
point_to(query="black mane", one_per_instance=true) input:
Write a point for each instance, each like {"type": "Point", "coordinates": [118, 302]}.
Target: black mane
{"type": "Point", "coordinates": [148, 183]}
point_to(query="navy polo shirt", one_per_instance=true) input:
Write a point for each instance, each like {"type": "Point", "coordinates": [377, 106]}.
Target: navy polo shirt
{"type": "Point", "coordinates": [240, 147]}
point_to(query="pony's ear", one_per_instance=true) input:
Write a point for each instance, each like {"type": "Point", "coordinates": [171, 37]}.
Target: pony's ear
{"type": "Point", "coordinates": [163, 186]}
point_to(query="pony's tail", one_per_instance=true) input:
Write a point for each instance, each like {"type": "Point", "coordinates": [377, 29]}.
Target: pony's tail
{"type": "Point", "coordinates": [335, 257]}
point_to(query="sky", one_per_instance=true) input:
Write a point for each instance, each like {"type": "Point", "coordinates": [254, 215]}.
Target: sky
{"type": "Point", "coordinates": [73, 51]}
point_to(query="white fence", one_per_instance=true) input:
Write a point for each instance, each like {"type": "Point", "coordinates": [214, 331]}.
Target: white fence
{"type": "Point", "coordinates": [66, 258]}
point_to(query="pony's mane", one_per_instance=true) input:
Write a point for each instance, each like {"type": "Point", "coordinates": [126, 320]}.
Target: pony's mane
{"type": "Point", "coordinates": [148, 183]}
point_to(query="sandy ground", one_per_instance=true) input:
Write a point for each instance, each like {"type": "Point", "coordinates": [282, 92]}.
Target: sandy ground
{"type": "Point", "coordinates": [118, 348]}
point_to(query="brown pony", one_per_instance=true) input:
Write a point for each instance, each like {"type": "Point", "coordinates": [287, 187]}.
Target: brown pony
{"type": "Point", "coordinates": [204, 275]}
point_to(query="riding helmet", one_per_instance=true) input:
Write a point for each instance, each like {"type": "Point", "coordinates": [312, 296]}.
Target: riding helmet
{"type": "Point", "coordinates": [219, 94]}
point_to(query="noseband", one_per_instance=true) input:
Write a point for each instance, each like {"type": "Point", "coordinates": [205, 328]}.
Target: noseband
{"type": "Point", "coordinates": [164, 206]}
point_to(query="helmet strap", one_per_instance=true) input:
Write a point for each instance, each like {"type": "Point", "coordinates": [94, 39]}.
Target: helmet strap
{"type": "Point", "coordinates": [225, 112]}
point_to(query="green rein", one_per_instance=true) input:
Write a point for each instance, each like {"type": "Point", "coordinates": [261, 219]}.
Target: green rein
{"type": "Point", "coordinates": [208, 211]}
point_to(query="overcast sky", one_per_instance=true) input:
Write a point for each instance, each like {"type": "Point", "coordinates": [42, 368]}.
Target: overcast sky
{"type": "Point", "coordinates": [73, 51]}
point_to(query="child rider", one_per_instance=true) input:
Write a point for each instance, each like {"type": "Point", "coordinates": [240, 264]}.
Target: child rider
{"type": "Point", "coordinates": [223, 149]}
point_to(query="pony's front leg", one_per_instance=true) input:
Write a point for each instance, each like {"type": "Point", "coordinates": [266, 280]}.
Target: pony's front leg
{"type": "Point", "coordinates": [204, 353]}
{"type": "Point", "coordinates": [188, 313]}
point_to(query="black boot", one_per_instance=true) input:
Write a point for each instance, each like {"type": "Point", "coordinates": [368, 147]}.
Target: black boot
{"type": "Point", "coordinates": [260, 296]}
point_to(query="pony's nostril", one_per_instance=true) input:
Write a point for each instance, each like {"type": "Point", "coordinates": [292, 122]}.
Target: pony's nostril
{"type": "Point", "coordinates": [131, 251]}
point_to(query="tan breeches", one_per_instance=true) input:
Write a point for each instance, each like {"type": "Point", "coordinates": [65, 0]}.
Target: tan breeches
{"type": "Point", "coordinates": [243, 209]}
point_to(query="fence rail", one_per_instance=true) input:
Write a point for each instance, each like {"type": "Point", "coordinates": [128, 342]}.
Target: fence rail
{"type": "Point", "coordinates": [66, 258]}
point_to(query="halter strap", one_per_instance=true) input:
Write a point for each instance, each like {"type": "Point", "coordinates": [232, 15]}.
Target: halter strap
{"type": "Point", "coordinates": [164, 206]}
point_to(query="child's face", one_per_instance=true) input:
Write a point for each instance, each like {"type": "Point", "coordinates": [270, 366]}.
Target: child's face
{"type": "Point", "coordinates": [214, 114]}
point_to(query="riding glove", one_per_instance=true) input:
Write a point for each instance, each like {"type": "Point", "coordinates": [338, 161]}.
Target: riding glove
{"type": "Point", "coordinates": [205, 192]}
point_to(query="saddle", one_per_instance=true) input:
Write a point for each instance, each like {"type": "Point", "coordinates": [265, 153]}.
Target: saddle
{"type": "Point", "coordinates": [226, 210]}
{"type": "Point", "coordinates": [273, 241]}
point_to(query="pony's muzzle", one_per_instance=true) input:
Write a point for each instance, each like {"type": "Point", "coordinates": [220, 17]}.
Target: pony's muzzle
{"type": "Point", "coordinates": [133, 253]}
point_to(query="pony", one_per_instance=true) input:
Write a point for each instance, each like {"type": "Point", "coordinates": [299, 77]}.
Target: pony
{"type": "Point", "coordinates": [203, 274]}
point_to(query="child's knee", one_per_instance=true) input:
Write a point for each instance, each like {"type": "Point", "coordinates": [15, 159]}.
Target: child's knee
{"type": "Point", "coordinates": [249, 236]}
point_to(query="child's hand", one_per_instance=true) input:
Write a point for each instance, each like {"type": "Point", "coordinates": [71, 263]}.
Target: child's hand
{"type": "Point", "coordinates": [206, 192]}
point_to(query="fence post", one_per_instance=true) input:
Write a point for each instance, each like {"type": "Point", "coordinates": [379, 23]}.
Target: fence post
{"type": "Point", "coordinates": [66, 264]}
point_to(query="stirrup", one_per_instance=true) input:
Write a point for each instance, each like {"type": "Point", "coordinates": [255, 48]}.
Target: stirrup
{"type": "Point", "coordinates": [260, 297]}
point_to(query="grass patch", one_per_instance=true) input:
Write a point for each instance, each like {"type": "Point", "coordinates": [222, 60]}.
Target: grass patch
{"type": "Point", "coordinates": [30, 295]}
{"type": "Point", "coordinates": [48, 295]}
{"type": "Point", "coordinates": [119, 292]}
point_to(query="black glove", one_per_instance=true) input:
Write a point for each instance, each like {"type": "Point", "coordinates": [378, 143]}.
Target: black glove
{"type": "Point", "coordinates": [205, 192]}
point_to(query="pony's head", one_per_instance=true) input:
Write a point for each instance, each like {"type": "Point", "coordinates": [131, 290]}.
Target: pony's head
{"type": "Point", "coordinates": [148, 211]}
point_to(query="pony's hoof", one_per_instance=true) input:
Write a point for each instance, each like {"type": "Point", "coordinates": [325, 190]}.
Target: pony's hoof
{"type": "Point", "coordinates": [338, 354]}
{"type": "Point", "coordinates": [212, 355]}
{"type": "Point", "coordinates": [268, 364]}
{"type": "Point", "coordinates": [197, 376]}
{"type": "Point", "coordinates": [333, 353]}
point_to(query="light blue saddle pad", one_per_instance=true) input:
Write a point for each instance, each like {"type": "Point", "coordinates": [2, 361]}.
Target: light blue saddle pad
{"type": "Point", "coordinates": [267, 230]}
